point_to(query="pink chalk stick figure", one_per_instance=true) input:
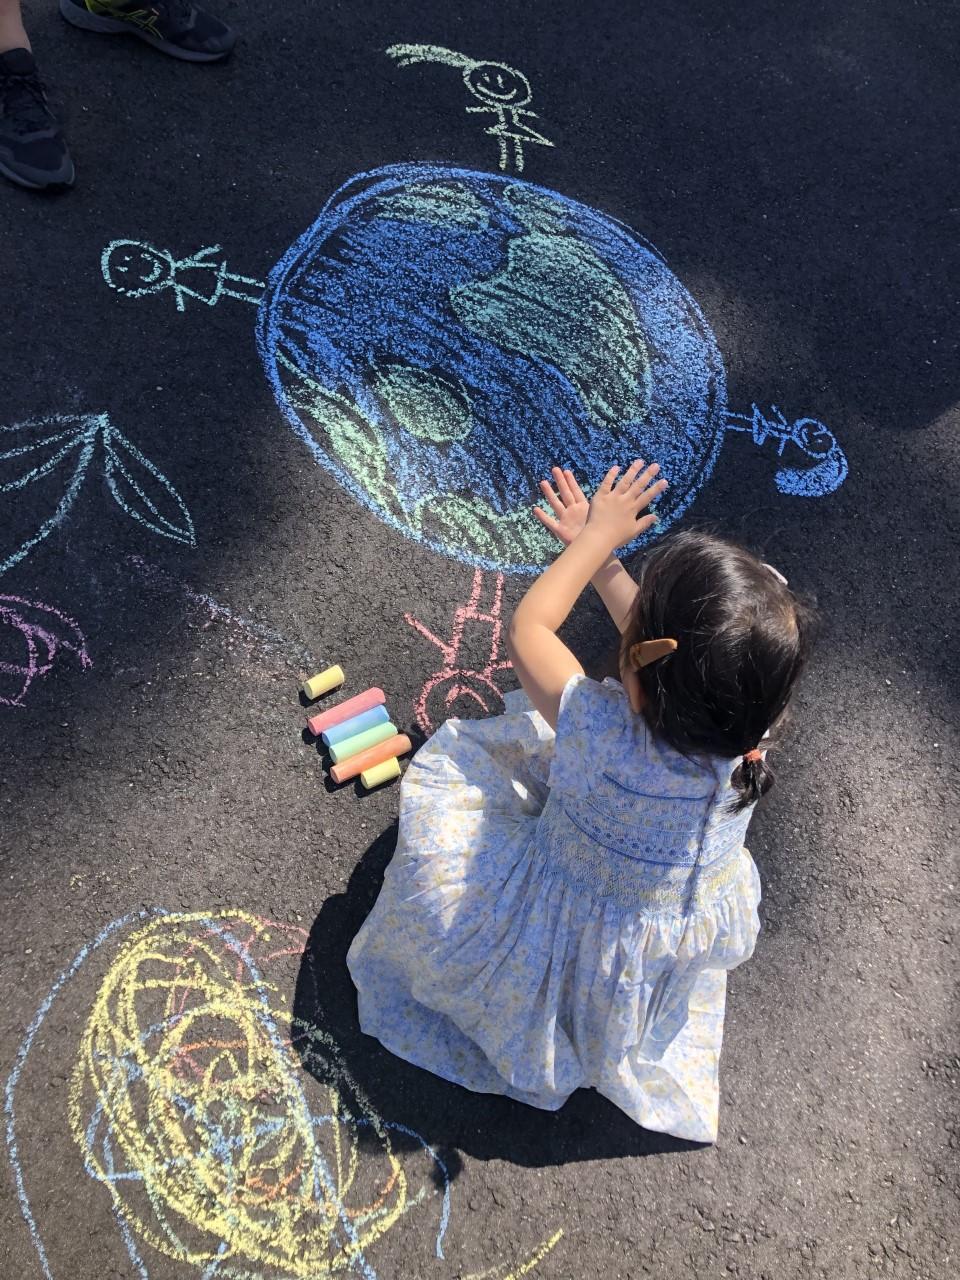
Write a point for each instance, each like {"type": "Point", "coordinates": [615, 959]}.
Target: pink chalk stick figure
{"type": "Point", "coordinates": [453, 681]}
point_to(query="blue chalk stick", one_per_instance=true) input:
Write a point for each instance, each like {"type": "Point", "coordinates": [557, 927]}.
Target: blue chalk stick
{"type": "Point", "coordinates": [349, 728]}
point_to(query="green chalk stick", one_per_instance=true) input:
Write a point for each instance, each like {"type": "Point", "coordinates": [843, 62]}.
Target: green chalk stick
{"type": "Point", "coordinates": [341, 751]}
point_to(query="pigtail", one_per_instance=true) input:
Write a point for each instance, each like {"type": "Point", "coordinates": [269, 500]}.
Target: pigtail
{"type": "Point", "coordinates": [751, 779]}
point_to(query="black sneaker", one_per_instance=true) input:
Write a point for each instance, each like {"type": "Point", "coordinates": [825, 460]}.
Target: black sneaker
{"type": "Point", "coordinates": [32, 149]}
{"type": "Point", "coordinates": [174, 26]}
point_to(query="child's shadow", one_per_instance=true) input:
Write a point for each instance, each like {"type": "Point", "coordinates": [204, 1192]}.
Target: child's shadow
{"type": "Point", "coordinates": [446, 1116]}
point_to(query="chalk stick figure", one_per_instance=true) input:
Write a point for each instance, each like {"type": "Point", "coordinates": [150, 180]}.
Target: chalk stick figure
{"type": "Point", "coordinates": [807, 442]}
{"type": "Point", "coordinates": [501, 91]}
{"type": "Point", "coordinates": [136, 269]}
{"type": "Point", "coordinates": [454, 683]}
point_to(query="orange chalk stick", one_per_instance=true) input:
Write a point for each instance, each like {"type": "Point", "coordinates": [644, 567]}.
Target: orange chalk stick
{"type": "Point", "coordinates": [398, 745]}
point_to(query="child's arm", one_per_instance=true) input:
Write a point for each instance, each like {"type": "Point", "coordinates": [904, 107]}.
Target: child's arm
{"type": "Point", "coordinates": [542, 661]}
{"type": "Point", "coordinates": [612, 583]}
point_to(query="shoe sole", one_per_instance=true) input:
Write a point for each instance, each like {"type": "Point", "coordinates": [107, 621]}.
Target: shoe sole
{"type": "Point", "coordinates": [88, 21]}
{"type": "Point", "coordinates": [65, 178]}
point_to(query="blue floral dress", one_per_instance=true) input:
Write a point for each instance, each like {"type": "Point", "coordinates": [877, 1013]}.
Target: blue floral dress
{"type": "Point", "coordinates": [561, 911]}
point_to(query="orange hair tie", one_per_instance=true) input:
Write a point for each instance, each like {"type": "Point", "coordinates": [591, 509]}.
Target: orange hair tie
{"type": "Point", "coordinates": [647, 651]}
{"type": "Point", "coordinates": [751, 757]}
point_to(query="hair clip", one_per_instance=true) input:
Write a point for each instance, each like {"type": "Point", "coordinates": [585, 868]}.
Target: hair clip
{"type": "Point", "coordinates": [752, 757]}
{"type": "Point", "coordinates": [647, 651]}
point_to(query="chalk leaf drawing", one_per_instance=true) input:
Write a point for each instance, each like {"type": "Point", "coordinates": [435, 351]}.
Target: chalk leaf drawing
{"type": "Point", "coordinates": [67, 445]}
{"type": "Point", "coordinates": [501, 91]}
{"type": "Point", "coordinates": [454, 683]}
{"type": "Point", "coordinates": [188, 1104]}
{"type": "Point", "coordinates": [31, 638]}
{"type": "Point", "coordinates": [440, 338]}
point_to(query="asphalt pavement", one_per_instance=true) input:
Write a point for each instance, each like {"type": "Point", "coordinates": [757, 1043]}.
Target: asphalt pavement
{"type": "Point", "coordinates": [177, 561]}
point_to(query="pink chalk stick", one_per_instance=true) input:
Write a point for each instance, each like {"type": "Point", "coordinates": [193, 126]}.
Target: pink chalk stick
{"type": "Point", "coordinates": [346, 710]}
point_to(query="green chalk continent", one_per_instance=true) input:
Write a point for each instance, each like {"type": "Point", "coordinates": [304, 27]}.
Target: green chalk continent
{"type": "Point", "coordinates": [427, 406]}
{"type": "Point", "coordinates": [354, 441]}
{"type": "Point", "coordinates": [472, 524]}
{"type": "Point", "coordinates": [556, 299]}
{"type": "Point", "coordinates": [443, 204]}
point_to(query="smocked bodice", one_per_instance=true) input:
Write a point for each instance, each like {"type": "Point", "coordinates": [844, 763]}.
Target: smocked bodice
{"type": "Point", "coordinates": [630, 819]}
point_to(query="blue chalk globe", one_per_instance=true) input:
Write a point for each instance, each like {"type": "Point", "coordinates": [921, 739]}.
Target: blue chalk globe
{"type": "Point", "coordinates": [440, 338]}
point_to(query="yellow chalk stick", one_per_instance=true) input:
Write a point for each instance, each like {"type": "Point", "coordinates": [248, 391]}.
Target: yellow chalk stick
{"type": "Point", "coordinates": [380, 773]}
{"type": "Point", "coordinates": [324, 682]}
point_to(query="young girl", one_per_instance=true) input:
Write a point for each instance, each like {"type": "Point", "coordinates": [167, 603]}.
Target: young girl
{"type": "Point", "coordinates": [570, 884]}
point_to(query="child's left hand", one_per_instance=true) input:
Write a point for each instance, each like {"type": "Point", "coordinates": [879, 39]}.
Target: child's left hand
{"type": "Point", "coordinates": [616, 506]}
{"type": "Point", "coordinates": [569, 504]}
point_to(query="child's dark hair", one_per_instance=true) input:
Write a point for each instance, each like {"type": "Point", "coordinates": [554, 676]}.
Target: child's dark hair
{"type": "Point", "coordinates": [742, 640]}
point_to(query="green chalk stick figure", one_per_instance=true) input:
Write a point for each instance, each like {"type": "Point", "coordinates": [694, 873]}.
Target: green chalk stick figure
{"type": "Point", "coordinates": [136, 269]}
{"type": "Point", "coordinates": [501, 90]}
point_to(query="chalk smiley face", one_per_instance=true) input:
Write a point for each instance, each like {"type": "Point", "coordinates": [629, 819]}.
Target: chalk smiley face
{"type": "Point", "coordinates": [132, 267]}
{"type": "Point", "coordinates": [499, 84]}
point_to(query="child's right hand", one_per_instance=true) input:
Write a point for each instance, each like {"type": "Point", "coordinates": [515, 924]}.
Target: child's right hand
{"type": "Point", "coordinates": [615, 508]}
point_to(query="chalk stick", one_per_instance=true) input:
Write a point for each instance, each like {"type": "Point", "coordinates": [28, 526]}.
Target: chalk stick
{"type": "Point", "coordinates": [356, 724]}
{"type": "Point", "coordinates": [380, 773]}
{"type": "Point", "coordinates": [344, 710]}
{"type": "Point", "coordinates": [360, 741]}
{"type": "Point", "coordinates": [398, 746]}
{"type": "Point", "coordinates": [329, 679]}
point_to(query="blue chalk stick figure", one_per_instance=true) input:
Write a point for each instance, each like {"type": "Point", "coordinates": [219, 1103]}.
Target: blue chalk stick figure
{"type": "Point", "coordinates": [136, 269]}
{"type": "Point", "coordinates": [501, 91]}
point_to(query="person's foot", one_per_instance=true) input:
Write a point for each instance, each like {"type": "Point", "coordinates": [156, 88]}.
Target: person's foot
{"type": "Point", "coordinates": [32, 150]}
{"type": "Point", "coordinates": [173, 26]}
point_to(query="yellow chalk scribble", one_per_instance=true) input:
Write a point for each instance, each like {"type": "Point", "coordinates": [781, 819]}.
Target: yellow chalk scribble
{"type": "Point", "coordinates": [189, 1106]}
{"type": "Point", "coordinates": [533, 1261]}
{"type": "Point", "coordinates": [227, 1134]}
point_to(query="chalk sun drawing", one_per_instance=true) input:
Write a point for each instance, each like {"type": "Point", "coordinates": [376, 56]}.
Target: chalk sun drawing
{"type": "Point", "coordinates": [189, 1108]}
{"type": "Point", "coordinates": [454, 683]}
{"type": "Point", "coordinates": [440, 338]}
{"type": "Point", "coordinates": [39, 632]}
{"type": "Point", "coordinates": [502, 91]}
{"type": "Point", "coordinates": [66, 446]}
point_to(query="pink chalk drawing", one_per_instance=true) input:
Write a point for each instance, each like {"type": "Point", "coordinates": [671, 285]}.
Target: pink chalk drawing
{"type": "Point", "coordinates": [38, 632]}
{"type": "Point", "coordinates": [454, 682]}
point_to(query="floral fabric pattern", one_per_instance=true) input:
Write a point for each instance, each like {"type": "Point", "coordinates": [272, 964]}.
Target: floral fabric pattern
{"type": "Point", "coordinates": [561, 911]}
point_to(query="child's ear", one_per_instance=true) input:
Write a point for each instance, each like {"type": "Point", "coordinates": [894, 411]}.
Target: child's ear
{"type": "Point", "coordinates": [631, 682]}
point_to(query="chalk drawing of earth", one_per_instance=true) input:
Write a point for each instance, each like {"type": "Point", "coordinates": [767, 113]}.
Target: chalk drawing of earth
{"type": "Point", "coordinates": [440, 338]}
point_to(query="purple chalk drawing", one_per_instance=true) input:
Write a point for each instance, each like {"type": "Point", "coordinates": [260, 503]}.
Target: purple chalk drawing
{"type": "Point", "coordinates": [42, 631]}
{"type": "Point", "coordinates": [253, 634]}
